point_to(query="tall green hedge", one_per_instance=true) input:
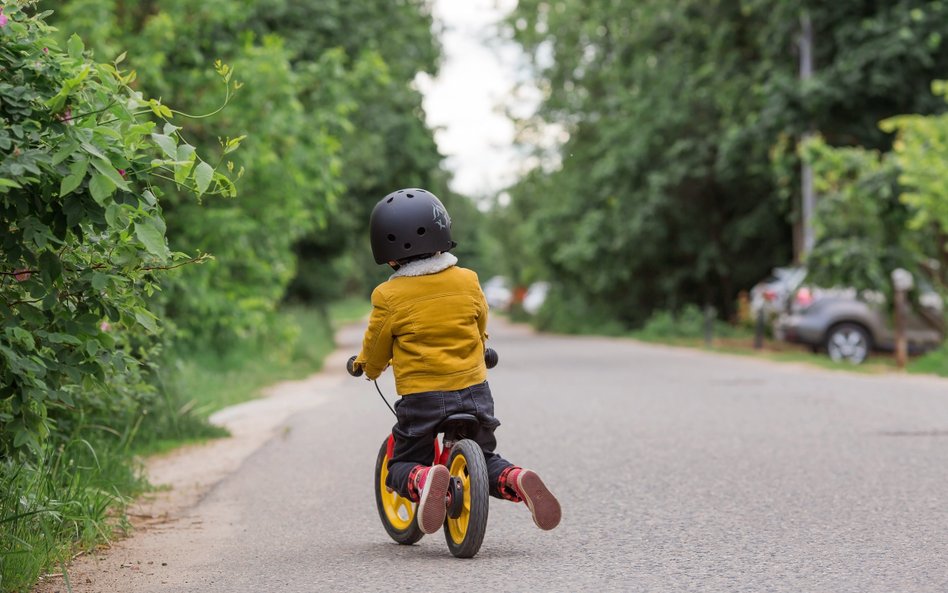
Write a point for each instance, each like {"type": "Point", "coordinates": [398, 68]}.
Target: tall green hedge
{"type": "Point", "coordinates": [83, 240]}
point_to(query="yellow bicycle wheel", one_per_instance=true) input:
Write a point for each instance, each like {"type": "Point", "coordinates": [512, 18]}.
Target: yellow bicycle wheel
{"type": "Point", "coordinates": [464, 528]}
{"type": "Point", "coordinates": [396, 512]}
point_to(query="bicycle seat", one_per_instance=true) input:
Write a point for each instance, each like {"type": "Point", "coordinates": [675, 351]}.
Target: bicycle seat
{"type": "Point", "coordinates": [459, 425]}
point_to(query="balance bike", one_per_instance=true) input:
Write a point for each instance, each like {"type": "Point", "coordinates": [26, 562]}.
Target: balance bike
{"type": "Point", "coordinates": [467, 498]}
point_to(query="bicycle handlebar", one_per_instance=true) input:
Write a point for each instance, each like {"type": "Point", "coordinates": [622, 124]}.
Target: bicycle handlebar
{"type": "Point", "coordinates": [491, 358]}
{"type": "Point", "coordinates": [351, 368]}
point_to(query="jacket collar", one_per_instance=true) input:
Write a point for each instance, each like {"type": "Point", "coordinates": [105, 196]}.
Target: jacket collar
{"type": "Point", "coordinates": [423, 267]}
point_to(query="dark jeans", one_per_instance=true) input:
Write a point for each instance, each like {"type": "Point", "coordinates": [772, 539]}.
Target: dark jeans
{"type": "Point", "coordinates": [420, 413]}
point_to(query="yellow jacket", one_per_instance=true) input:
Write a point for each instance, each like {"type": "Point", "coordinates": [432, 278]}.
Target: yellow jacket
{"type": "Point", "coordinates": [430, 321]}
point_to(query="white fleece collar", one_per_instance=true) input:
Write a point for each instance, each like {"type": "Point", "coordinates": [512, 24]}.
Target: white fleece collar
{"type": "Point", "coordinates": [423, 267]}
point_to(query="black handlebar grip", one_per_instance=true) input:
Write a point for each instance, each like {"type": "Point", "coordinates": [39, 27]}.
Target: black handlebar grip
{"type": "Point", "coordinates": [350, 367]}
{"type": "Point", "coordinates": [491, 358]}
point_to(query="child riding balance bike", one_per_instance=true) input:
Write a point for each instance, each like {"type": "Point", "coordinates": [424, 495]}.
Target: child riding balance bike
{"type": "Point", "coordinates": [429, 322]}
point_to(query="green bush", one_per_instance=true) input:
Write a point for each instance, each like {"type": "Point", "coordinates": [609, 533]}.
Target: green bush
{"type": "Point", "coordinates": [81, 251]}
{"type": "Point", "coordinates": [570, 313]}
{"type": "Point", "coordinates": [84, 235]}
{"type": "Point", "coordinates": [687, 324]}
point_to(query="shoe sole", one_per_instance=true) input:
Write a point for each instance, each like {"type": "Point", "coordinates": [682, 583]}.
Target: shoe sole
{"type": "Point", "coordinates": [431, 505]}
{"type": "Point", "coordinates": [541, 502]}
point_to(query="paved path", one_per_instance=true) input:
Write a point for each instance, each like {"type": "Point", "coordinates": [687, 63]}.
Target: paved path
{"type": "Point", "coordinates": [677, 470]}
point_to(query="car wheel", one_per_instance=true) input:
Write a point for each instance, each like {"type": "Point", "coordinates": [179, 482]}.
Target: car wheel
{"type": "Point", "coordinates": [848, 342]}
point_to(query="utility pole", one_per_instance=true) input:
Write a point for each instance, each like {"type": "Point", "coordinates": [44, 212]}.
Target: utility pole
{"type": "Point", "coordinates": [809, 197]}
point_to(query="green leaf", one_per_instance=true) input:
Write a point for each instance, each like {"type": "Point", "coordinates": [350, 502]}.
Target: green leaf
{"type": "Point", "coordinates": [109, 132]}
{"type": "Point", "coordinates": [93, 150]}
{"type": "Point", "coordinates": [233, 144]}
{"type": "Point", "coordinates": [31, 314]}
{"type": "Point", "coordinates": [50, 265]}
{"type": "Point", "coordinates": [80, 167]}
{"type": "Point", "coordinates": [68, 184]}
{"type": "Point", "coordinates": [77, 172]}
{"type": "Point", "coordinates": [152, 238]}
{"type": "Point", "coordinates": [106, 340]}
{"type": "Point", "coordinates": [99, 280]}
{"type": "Point", "coordinates": [66, 151]}
{"type": "Point", "coordinates": [60, 338]}
{"type": "Point", "coordinates": [75, 47]}
{"type": "Point", "coordinates": [58, 101]}
{"type": "Point", "coordinates": [22, 336]}
{"type": "Point", "coordinates": [106, 168]}
{"type": "Point", "coordinates": [203, 174]}
{"type": "Point", "coordinates": [182, 168]}
{"type": "Point", "coordinates": [167, 145]}
{"type": "Point", "coordinates": [147, 320]}
{"type": "Point", "coordinates": [227, 186]}
{"type": "Point", "coordinates": [185, 152]}
{"type": "Point", "coordinates": [9, 183]}
{"type": "Point", "coordinates": [25, 437]}
{"type": "Point", "coordinates": [51, 299]}
{"type": "Point", "coordinates": [101, 187]}
{"type": "Point", "coordinates": [112, 213]}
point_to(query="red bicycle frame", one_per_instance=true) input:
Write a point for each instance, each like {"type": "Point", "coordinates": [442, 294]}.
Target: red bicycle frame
{"type": "Point", "coordinates": [440, 456]}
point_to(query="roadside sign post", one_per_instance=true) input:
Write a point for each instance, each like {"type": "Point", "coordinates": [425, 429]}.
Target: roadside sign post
{"type": "Point", "coordinates": [902, 281]}
{"type": "Point", "coordinates": [759, 330]}
{"type": "Point", "coordinates": [709, 316]}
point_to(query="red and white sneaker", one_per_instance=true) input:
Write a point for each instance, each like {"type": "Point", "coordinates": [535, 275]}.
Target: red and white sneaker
{"type": "Point", "coordinates": [541, 502]}
{"type": "Point", "coordinates": [432, 483]}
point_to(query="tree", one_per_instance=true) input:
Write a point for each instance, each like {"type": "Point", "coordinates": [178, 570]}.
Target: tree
{"type": "Point", "coordinates": [677, 182]}
{"type": "Point", "coordinates": [861, 233]}
{"type": "Point", "coordinates": [288, 117]}
{"type": "Point", "coordinates": [921, 154]}
{"type": "Point", "coordinates": [349, 127]}
{"type": "Point", "coordinates": [387, 145]}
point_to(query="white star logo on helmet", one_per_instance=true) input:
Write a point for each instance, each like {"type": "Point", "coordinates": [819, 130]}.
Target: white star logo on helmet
{"type": "Point", "coordinates": [440, 217]}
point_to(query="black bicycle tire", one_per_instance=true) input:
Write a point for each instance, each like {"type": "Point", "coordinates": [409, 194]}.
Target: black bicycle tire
{"type": "Point", "coordinates": [407, 536]}
{"type": "Point", "coordinates": [480, 498]}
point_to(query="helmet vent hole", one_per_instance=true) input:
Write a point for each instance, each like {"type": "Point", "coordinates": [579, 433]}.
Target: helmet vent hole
{"type": "Point", "coordinates": [407, 245]}
{"type": "Point", "coordinates": [421, 231]}
{"type": "Point", "coordinates": [389, 201]}
{"type": "Point", "coordinates": [391, 238]}
{"type": "Point", "coordinates": [410, 195]}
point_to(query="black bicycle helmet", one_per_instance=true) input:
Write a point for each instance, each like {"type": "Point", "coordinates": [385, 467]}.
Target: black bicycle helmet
{"type": "Point", "coordinates": [408, 224]}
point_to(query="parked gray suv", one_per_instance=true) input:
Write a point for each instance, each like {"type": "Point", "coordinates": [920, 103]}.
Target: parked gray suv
{"type": "Point", "coordinates": [849, 325]}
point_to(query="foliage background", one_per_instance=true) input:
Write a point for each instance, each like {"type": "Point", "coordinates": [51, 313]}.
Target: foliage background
{"type": "Point", "coordinates": [678, 183]}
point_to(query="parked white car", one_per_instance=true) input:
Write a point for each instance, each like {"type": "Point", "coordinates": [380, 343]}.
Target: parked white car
{"type": "Point", "coordinates": [535, 297]}
{"type": "Point", "coordinates": [498, 293]}
{"type": "Point", "coordinates": [773, 295]}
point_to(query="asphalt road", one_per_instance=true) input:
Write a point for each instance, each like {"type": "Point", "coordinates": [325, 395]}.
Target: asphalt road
{"type": "Point", "coordinates": [677, 470]}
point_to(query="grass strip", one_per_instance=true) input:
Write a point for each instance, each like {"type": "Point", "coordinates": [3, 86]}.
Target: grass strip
{"type": "Point", "coordinates": [215, 381]}
{"type": "Point", "coordinates": [741, 342]}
